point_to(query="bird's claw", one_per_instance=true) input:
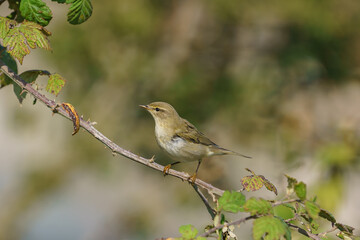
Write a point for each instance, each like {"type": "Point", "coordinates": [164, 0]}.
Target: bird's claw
{"type": "Point", "coordinates": [166, 169]}
{"type": "Point", "coordinates": [192, 178]}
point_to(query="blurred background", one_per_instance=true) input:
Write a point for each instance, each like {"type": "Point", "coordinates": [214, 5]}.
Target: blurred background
{"type": "Point", "coordinates": [278, 81]}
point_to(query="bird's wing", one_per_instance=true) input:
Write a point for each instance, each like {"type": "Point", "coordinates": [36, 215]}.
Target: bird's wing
{"type": "Point", "coordinates": [190, 133]}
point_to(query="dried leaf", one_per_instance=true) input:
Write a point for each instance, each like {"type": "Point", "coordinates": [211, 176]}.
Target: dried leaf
{"type": "Point", "coordinates": [73, 115]}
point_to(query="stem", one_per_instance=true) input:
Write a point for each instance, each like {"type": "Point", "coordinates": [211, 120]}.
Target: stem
{"type": "Point", "coordinates": [99, 136]}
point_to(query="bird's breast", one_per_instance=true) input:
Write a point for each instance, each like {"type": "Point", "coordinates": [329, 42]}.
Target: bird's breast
{"type": "Point", "coordinates": [179, 148]}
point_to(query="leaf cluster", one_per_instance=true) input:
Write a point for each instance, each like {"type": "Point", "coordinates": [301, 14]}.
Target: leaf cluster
{"type": "Point", "coordinates": [268, 224]}
{"type": "Point", "coordinates": [24, 29]}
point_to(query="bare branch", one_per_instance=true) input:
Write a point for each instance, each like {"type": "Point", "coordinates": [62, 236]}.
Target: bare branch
{"type": "Point", "coordinates": [285, 202]}
{"type": "Point", "coordinates": [88, 126]}
{"type": "Point", "coordinates": [211, 211]}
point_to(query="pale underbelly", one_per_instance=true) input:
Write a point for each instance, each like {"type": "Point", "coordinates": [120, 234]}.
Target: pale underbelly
{"type": "Point", "coordinates": [184, 151]}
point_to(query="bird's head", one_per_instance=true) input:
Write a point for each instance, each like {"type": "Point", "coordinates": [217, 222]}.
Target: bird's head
{"type": "Point", "coordinates": [162, 112]}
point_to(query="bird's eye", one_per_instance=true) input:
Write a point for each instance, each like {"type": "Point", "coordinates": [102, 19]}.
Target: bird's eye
{"type": "Point", "coordinates": [157, 109]}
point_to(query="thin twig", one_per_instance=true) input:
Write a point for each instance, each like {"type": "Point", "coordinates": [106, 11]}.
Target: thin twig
{"type": "Point", "coordinates": [98, 135]}
{"type": "Point", "coordinates": [211, 211]}
{"type": "Point", "coordinates": [285, 202]}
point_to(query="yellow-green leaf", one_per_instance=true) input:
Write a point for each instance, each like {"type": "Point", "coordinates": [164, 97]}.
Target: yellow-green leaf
{"type": "Point", "coordinates": [258, 206]}
{"type": "Point", "coordinates": [188, 232]}
{"type": "Point", "coordinates": [312, 209]}
{"type": "Point", "coordinates": [270, 228]}
{"type": "Point", "coordinates": [252, 183]}
{"type": "Point", "coordinates": [300, 190]}
{"type": "Point", "coordinates": [231, 201]}
{"type": "Point", "coordinates": [55, 84]}
{"type": "Point", "coordinates": [5, 26]}
{"type": "Point", "coordinates": [24, 36]}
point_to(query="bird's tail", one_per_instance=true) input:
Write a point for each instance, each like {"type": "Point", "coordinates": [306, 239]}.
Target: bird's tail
{"type": "Point", "coordinates": [223, 151]}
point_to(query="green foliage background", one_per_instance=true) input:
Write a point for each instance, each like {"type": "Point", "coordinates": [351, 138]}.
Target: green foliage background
{"type": "Point", "coordinates": [277, 80]}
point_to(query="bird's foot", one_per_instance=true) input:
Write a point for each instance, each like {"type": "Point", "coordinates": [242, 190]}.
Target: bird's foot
{"type": "Point", "coordinates": [192, 178]}
{"type": "Point", "coordinates": [166, 169]}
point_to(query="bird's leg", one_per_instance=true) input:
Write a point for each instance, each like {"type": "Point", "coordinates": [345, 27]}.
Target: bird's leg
{"type": "Point", "coordinates": [192, 178]}
{"type": "Point", "coordinates": [167, 167]}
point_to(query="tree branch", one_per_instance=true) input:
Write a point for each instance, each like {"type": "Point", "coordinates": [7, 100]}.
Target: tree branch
{"type": "Point", "coordinates": [99, 136]}
{"type": "Point", "coordinates": [211, 211]}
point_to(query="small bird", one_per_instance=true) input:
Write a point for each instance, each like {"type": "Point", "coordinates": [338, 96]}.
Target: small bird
{"type": "Point", "coordinates": [180, 139]}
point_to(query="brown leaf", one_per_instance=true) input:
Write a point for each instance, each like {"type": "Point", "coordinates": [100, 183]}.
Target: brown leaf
{"type": "Point", "coordinates": [73, 115]}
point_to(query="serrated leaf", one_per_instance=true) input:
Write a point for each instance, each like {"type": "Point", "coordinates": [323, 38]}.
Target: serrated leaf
{"type": "Point", "coordinates": [5, 26]}
{"type": "Point", "coordinates": [312, 209]}
{"type": "Point", "coordinates": [55, 84]}
{"type": "Point", "coordinates": [345, 228]}
{"type": "Point", "coordinates": [35, 11]}
{"type": "Point", "coordinates": [300, 190]}
{"type": "Point", "coordinates": [188, 232]}
{"type": "Point", "coordinates": [79, 12]}
{"type": "Point", "coordinates": [269, 185]}
{"type": "Point", "coordinates": [255, 182]}
{"type": "Point", "coordinates": [270, 228]}
{"type": "Point", "coordinates": [327, 215]}
{"type": "Point", "coordinates": [231, 201]}
{"type": "Point", "coordinates": [258, 206]}
{"type": "Point", "coordinates": [24, 36]}
{"type": "Point", "coordinates": [252, 183]}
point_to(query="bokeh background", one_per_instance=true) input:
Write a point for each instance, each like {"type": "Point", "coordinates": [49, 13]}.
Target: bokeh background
{"type": "Point", "coordinates": [276, 80]}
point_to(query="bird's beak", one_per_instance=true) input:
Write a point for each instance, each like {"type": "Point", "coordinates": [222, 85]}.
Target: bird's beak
{"type": "Point", "coordinates": [144, 106]}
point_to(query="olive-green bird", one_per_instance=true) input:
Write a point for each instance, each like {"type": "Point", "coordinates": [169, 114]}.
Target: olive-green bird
{"type": "Point", "coordinates": [180, 139]}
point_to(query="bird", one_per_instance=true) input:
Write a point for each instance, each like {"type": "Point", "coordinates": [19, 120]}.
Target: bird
{"type": "Point", "coordinates": [181, 139]}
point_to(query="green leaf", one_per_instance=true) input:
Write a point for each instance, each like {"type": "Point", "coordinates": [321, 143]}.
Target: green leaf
{"type": "Point", "coordinates": [270, 228]}
{"type": "Point", "coordinates": [188, 232]}
{"type": "Point", "coordinates": [300, 190]}
{"type": "Point", "coordinates": [59, 1]}
{"type": "Point", "coordinates": [55, 84]}
{"type": "Point", "coordinates": [285, 211]}
{"type": "Point", "coordinates": [345, 228]}
{"type": "Point", "coordinates": [327, 215]}
{"type": "Point", "coordinates": [79, 12]}
{"type": "Point", "coordinates": [36, 11]}
{"type": "Point", "coordinates": [10, 62]}
{"type": "Point", "coordinates": [258, 206]}
{"type": "Point", "coordinates": [231, 201]}
{"type": "Point", "coordinates": [24, 36]}
{"type": "Point", "coordinates": [312, 209]}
